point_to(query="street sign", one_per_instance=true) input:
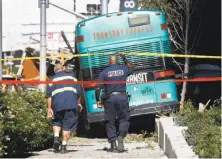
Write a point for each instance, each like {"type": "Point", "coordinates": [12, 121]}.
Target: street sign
{"type": "Point", "coordinates": [127, 5]}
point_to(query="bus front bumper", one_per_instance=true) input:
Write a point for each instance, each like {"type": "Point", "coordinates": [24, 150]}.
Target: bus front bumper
{"type": "Point", "coordinates": [138, 111]}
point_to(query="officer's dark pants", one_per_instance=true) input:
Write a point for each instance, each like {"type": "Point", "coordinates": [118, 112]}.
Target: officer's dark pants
{"type": "Point", "coordinates": [116, 105]}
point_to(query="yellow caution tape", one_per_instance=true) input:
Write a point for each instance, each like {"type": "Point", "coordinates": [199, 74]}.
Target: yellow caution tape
{"type": "Point", "coordinates": [174, 55]}
{"type": "Point", "coordinates": [28, 58]}
{"type": "Point", "coordinates": [132, 53]}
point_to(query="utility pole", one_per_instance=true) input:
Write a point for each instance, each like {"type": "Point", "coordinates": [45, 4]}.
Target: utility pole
{"type": "Point", "coordinates": [104, 4]}
{"type": "Point", "coordinates": [1, 39]}
{"type": "Point", "coordinates": [43, 4]}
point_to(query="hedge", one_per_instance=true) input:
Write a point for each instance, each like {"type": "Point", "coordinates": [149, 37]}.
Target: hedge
{"type": "Point", "coordinates": [24, 126]}
{"type": "Point", "coordinates": [204, 129]}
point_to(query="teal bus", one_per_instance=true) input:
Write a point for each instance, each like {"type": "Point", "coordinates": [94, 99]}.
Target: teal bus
{"type": "Point", "coordinates": [136, 31]}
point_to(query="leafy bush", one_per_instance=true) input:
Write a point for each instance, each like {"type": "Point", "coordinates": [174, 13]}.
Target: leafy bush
{"type": "Point", "coordinates": [204, 129]}
{"type": "Point", "coordinates": [24, 123]}
{"type": "Point", "coordinates": [1, 139]}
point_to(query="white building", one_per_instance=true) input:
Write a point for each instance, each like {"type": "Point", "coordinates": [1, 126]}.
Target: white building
{"type": "Point", "coordinates": [21, 22]}
{"type": "Point", "coordinates": [93, 7]}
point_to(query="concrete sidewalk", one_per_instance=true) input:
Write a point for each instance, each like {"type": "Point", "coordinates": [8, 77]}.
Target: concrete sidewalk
{"type": "Point", "coordinates": [93, 148]}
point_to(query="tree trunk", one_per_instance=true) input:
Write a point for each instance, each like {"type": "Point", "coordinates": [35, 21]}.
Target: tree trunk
{"type": "Point", "coordinates": [184, 88]}
{"type": "Point", "coordinates": [186, 65]}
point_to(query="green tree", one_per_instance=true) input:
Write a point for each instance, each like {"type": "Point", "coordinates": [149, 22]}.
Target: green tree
{"type": "Point", "coordinates": [180, 15]}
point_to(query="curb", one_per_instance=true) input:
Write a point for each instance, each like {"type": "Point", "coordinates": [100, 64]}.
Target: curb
{"type": "Point", "coordinates": [171, 139]}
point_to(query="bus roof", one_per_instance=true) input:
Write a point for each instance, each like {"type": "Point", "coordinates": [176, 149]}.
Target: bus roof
{"type": "Point", "coordinates": [114, 13]}
{"type": "Point", "coordinates": [122, 27]}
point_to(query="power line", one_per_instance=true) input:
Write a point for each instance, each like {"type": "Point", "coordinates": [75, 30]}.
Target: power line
{"type": "Point", "coordinates": [73, 13]}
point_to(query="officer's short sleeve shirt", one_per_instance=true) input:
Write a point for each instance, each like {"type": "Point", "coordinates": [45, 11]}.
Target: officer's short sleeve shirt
{"type": "Point", "coordinates": [115, 73]}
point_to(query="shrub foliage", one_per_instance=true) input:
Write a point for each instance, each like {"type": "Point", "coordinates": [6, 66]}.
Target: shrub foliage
{"type": "Point", "coordinates": [24, 126]}
{"type": "Point", "coordinates": [204, 129]}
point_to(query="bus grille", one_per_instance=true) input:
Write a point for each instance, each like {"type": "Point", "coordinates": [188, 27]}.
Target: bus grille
{"type": "Point", "coordinates": [92, 65]}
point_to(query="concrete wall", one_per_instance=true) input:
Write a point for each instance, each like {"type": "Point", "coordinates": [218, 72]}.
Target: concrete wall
{"type": "Point", "coordinates": [171, 139]}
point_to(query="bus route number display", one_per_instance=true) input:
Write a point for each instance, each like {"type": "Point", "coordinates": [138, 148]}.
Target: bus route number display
{"type": "Point", "coordinates": [139, 20]}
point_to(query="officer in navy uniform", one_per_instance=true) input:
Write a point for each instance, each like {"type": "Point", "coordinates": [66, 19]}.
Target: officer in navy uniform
{"type": "Point", "coordinates": [115, 102]}
{"type": "Point", "coordinates": [63, 101]}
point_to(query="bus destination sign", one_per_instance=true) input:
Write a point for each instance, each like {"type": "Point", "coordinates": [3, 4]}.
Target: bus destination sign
{"type": "Point", "coordinates": [139, 20]}
{"type": "Point", "coordinates": [123, 32]}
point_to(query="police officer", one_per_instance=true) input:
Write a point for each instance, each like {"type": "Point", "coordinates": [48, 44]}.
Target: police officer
{"type": "Point", "coordinates": [116, 102]}
{"type": "Point", "coordinates": [62, 100]}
